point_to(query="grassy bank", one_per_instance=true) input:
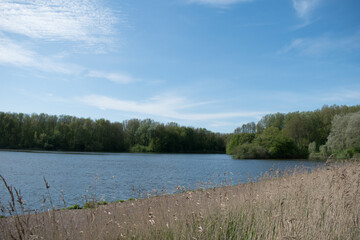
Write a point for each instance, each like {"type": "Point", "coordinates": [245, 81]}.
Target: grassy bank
{"type": "Point", "coordinates": [324, 204]}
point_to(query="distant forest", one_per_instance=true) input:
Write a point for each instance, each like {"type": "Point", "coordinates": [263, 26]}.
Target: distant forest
{"type": "Point", "coordinates": [315, 134]}
{"type": "Point", "coordinates": [332, 130]}
{"type": "Point", "coordinates": [68, 133]}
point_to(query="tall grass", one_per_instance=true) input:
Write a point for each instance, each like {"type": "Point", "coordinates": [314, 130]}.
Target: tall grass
{"type": "Point", "coordinates": [323, 204]}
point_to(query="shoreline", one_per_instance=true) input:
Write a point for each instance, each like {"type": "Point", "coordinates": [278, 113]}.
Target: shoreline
{"type": "Point", "coordinates": [161, 153]}
{"type": "Point", "coordinates": [301, 205]}
{"type": "Point", "coordinates": [99, 153]}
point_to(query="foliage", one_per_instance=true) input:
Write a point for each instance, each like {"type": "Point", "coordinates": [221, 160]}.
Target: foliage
{"type": "Point", "coordinates": [246, 128]}
{"type": "Point", "coordinates": [276, 135]}
{"type": "Point", "coordinates": [250, 151]}
{"type": "Point", "coordinates": [75, 206]}
{"type": "Point", "coordinates": [271, 143]}
{"type": "Point", "coordinates": [140, 148]}
{"type": "Point", "coordinates": [89, 205]}
{"type": "Point", "coordinates": [344, 138]}
{"type": "Point", "coordinates": [345, 132]}
{"type": "Point", "coordinates": [239, 139]}
{"type": "Point", "coordinates": [277, 144]}
{"type": "Point", "coordinates": [312, 147]}
{"type": "Point", "coordinates": [68, 133]}
{"type": "Point", "coordinates": [271, 120]}
{"type": "Point", "coordinates": [298, 134]}
{"type": "Point", "coordinates": [322, 154]}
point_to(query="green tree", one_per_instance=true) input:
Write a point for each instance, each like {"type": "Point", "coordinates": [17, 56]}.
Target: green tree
{"type": "Point", "coordinates": [130, 128]}
{"type": "Point", "coordinates": [345, 132]}
{"type": "Point", "coordinates": [239, 139]}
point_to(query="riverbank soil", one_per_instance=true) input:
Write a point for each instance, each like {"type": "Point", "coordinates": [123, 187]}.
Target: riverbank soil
{"type": "Point", "coordinates": [323, 204]}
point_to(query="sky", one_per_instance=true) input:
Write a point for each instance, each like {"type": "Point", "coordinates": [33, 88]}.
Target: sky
{"type": "Point", "coordinates": [215, 64]}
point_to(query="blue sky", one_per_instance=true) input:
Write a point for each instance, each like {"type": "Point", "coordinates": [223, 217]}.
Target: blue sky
{"type": "Point", "coordinates": [204, 63]}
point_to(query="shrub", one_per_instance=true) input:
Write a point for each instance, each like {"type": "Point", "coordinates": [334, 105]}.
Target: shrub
{"type": "Point", "coordinates": [312, 147]}
{"type": "Point", "coordinates": [250, 151]}
{"type": "Point", "coordinates": [345, 132]}
{"type": "Point", "coordinates": [323, 150]}
{"type": "Point", "coordinates": [137, 148]}
{"type": "Point", "coordinates": [89, 205]}
{"type": "Point", "coordinates": [75, 206]}
{"type": "Point", "coordinates": [102, 203]}
{"type": "Point", "coordinates": [239, 139]}
{"type": "Point", "coordinates": [317, 156]}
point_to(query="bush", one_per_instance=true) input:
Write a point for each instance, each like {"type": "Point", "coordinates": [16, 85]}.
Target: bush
{"type": "Point", "coordinates": [250, 151]}
{"type": "Point", "coordinates": [89, 205]}
{"type": "Point", "coordinates": [345, 132]}
{"type": "Point", "coordinates": [323, 150]}
{"type": "Point", "coordinates": [312, 147]}
{"type": "Point", "coordinates": [137, 148]}
{"type": "Point", "coordinates": [239, 139]}
{"type": "Point", "coordinates": [278, 145]}
{"type": "Point", "coordinates": [76, 206]}
{"type": "Point", "coordinates": [317, 156]}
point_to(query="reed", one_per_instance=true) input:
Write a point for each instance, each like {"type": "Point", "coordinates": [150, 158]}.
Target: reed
{"type": "Point", "coordinates": [323, 204]}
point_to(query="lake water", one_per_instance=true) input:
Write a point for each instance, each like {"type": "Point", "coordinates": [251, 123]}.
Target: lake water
{"type": "Point", "coordinates": [114, 176]}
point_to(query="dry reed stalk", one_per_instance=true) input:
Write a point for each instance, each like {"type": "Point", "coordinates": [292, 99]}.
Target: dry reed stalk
{"type": "Point", "coordinates": [323, 204]}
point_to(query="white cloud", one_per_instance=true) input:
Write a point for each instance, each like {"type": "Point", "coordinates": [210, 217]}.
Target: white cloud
{"type": "Point", "coordinates": [304, 7]}
{"type": "Point", "coordinates": [44, 97]}
{"type": "Point", "coordinates": [13, 53]}
{"type": "Point", "coordinates": [218, 3]}
{"type": "Point", "coordinates": [293, 45]}
{"type": "Point", "coordinates": [322, 45]}
{"type": "Point", "coordinates": [168, 107]}
{"type": "Point", "coordinates": [342, 95]}
{"type": "Point", "coordinates": [114, 77]}
{"type": "Point", "coordinates": [16, 54]}
{"type": "Point", "coordinates": [81, 20]}
{"type": "Point", "coordinates": [222, 124]}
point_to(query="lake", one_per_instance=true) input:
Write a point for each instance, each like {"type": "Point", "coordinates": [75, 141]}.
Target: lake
{"type": "Point", "coordinates": [114, 176]}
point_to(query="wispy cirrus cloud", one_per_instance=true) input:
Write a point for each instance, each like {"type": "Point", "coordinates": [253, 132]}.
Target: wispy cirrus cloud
{"type": "Point", "coordinates": [322, 45]}
{"type": "Point", "coordinates": [15, 54]}
{"type": "Point", "coordinates": [160, 106]}
{"type": "Point", "coordinates": [114, 77]}
{"type": "Point", "coordinates": [342, 95]}
{"type": "Point", "coordinates": [303, 8]}
{"type": "Point", "coordinates": [84, 21]}
{"type": "Point", "coordinates": [27, 24]}
{"type": "Point", "coordinates": [218, 3]}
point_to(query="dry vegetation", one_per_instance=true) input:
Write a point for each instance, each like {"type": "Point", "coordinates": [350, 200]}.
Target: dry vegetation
{"type": "Point", "coordinates": [324, 204]}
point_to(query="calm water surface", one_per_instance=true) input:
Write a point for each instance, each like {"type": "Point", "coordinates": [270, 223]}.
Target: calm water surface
{"type": "Point", "coordinates": [113, 176]}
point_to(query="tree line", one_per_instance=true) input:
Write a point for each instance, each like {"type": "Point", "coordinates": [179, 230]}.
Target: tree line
{"type": "Point", "coordinates": [315, 134]}
{"type": "Point", "coordinates": [69, 133]}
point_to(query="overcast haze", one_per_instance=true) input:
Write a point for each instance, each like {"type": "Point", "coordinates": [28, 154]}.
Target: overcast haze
{"type": "Point", "coordinates": [204, 63]}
